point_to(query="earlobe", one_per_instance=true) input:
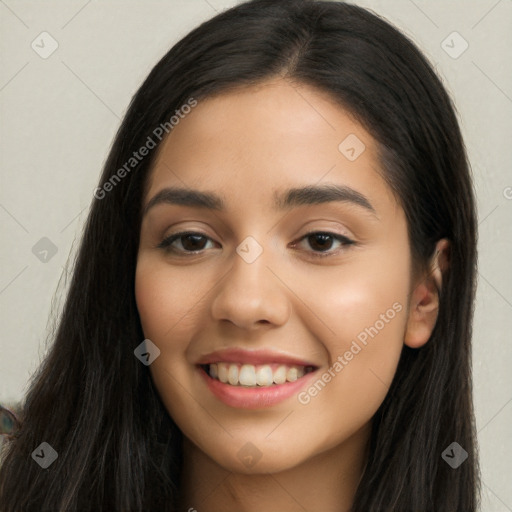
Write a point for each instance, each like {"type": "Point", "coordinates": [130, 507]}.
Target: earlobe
{"type": "Point", "coordinates": [424, 302]}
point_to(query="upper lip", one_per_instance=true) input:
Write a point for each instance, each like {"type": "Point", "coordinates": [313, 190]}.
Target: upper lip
{"type": "Point", "coordinates": [244, 356]}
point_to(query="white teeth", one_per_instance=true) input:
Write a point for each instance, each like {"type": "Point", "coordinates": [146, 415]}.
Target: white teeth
{"type": "Point", "coordinates": [280, 375]}
{"type": "Point", "coordinates": [295, 373]}
{"type": "Point", "coordinates": [250, 375]}
{"type": "Point", "coordinates": [264, 376]}
{"type": "Point", "coordinates": [247, 375]}
{"type": "Point", "coordinates": [233, 374]}
{"type": "Point", "coordinates": [223, 372]}
{"type": "Point", "coordinates": [291, 374]}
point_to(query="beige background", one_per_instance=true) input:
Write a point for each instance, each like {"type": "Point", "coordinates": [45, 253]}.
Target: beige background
{"type": "Point", "coordinates": [59, 115]}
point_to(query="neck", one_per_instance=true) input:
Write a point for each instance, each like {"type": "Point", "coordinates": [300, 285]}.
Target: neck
{"type": "Point", "coordinates": [327, 482]}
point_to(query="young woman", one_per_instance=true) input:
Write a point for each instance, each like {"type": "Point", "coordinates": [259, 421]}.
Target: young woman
{"type": "Point", "coordinates": [271, 306]}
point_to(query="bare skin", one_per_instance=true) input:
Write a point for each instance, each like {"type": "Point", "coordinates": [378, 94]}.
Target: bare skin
{"type": "Point", "coordinates": [311, 447]}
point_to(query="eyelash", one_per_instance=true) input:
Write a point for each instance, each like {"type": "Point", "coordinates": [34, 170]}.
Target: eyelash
{"type": "Point", "coordinates": [166, 243]}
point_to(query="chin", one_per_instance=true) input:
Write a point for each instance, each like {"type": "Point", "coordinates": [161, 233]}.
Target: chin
{"type": "Point", "coordinates": [246, 458]}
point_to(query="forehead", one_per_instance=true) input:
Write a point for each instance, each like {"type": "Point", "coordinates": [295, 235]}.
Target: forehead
{"type": "Point", "coordinates": [261, 139]}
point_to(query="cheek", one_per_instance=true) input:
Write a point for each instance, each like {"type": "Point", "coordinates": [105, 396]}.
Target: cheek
{"type": "Point", "coordinates": [359, 315]}
{"type": "Point", "coordinates": [169, 302]}
{"type": "Point", "coordinates": [365, 308]}
{"type": "Point", "coordinates": [366, 316]}
{"type": "Point", "coordinates": [170, 310]}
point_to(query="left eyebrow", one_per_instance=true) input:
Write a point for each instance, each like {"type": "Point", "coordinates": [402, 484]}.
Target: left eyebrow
{"type": "Point", "coordinates": [284, 200]}
{"type": "Point", "coordinates": [320, 194]}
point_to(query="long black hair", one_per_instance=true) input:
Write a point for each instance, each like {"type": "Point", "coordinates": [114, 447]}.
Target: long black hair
{"type": "Point", "coordinates": [96, 404]}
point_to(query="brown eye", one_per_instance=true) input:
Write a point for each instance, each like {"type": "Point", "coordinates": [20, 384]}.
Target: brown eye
{"type": "Point", "coordinates": [190, 241]}
{"type": "Point", "coordinates": [322, 241]}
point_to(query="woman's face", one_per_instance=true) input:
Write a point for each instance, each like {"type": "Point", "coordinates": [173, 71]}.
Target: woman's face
{"type": "Point", "coordinates": [254, 295]}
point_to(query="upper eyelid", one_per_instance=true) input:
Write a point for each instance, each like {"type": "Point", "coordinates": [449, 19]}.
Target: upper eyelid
{"type": "Point", "coordinates": [310, 232]}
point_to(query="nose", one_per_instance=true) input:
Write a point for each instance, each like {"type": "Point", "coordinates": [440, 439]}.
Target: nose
{"type": "Point", "coordinates": [251, 294]}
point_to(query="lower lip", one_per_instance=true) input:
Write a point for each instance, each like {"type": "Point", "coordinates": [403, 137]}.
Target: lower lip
{"type": "Point", "coordinates": [254, 397]}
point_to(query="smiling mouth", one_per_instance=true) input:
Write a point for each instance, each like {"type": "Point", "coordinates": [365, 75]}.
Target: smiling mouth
{"type": "Point", "coordinates": [249, 375]}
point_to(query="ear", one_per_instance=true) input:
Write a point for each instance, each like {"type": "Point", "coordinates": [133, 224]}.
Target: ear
{"type": "Point", "coordinates": [424, 301]}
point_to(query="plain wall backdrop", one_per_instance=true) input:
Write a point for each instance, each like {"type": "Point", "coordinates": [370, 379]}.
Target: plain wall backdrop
{"type": "Point", "coordinates": [68, 71]}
